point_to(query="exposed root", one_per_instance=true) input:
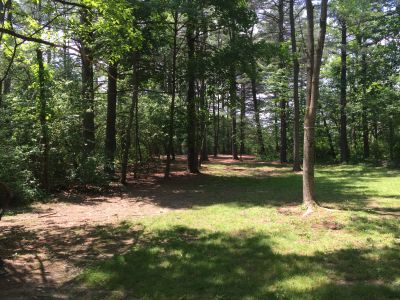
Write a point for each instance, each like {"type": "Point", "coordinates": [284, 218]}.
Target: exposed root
{"type": "Point", "coordinates": [309, 211]}
{"type": "Point", "coordinates": [330, 209]}
{"type": "Point", "coordinates": [312, 208]}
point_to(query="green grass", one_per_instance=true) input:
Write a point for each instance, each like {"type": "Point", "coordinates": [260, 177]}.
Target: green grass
{"type": "Point", "coordinates": [244, 238]}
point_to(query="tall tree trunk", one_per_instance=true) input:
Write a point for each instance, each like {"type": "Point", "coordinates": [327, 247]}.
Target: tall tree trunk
{"type": "Point", "coordinates": [87, 91]}
{"type": "Point", "coordinates": [193, 164]}
{"type": "Point", "coordinates": [242, 120]}
{"type": "Point", "coordinates": [344, 146]}
{"type": "Point", "coordinates": [260, 140]}
{"type": "Point", "coordinates": [128, 134]}
{"type": "Point", "coordinates": [233, 98]}
{"type": "Point", "coordinates": [364, 102]}
{"type": "Point", "coordinates": [216, 121]}
{"type": "Point", "coordinates": [296, 101]}
{"type": "Point", "coordinates": [203, 122]}
{"type": "Point", "coordinates": [138, 151]}
{"type": "Point", "coordinates": [111, 141]}
{"type": "Point", "coordinates": [171, 128]}
{"type": "Point", "coordinates": [203, 95]}
{"type": "Point", "coordinates": [44, 140]}
{"type": "Point", "coordinates": [282, 104]}
{"type": "Point", "coordinates": [313, 72]}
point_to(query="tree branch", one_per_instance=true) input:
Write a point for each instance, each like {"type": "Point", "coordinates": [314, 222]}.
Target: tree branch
{"type": "Point", "coordinates": [27, 38]}
{"type": "Point", "coordinates": [72, 4]}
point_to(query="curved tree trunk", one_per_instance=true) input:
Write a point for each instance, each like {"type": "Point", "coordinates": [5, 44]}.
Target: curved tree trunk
{"type": "Point", "coordinates": [313, 73]}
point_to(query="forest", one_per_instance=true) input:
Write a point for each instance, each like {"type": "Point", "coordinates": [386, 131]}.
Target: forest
{"type": "Point", "coordinates": [199, 149]}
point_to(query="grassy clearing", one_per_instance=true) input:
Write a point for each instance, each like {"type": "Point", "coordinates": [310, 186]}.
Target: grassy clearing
{"type": "Point", "coordinates": [245, 239]}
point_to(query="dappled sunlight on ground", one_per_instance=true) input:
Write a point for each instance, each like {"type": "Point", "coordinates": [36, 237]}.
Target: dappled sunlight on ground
{"type": "Point", "coordinates": [235, 231]}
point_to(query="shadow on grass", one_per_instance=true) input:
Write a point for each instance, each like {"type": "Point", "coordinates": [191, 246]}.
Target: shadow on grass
{"type": "Point", "coordinates": [30, 255]}
{"type": "Point", "coordinates": [184, 263]}
{"type": "Point", "coordinates": [126, 262]}
{"type": "Point", "coordinates": [333, 188]}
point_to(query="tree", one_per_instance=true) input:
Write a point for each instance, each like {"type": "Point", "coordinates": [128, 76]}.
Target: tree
{"type": "Point", "coordinates": [314, 60]}
{"type": "Point", "coordinates": [283, 102]}
{"type": "Point", "coordinates": [193, 165]}
{"type": "Point", "coordinates": [87, 85]}
{"type": "Point", "coordinates": [133, 108]}
{"type": "Point", "coordinates": [111, 141]}
{"type": "Point", "coordinates": [344, 147]}
{"type": "Point", "coordinates": [173, 93]}
{"type": "Point", "coordinates": [296, 102]}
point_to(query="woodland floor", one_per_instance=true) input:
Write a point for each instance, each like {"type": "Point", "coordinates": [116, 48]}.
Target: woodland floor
{"type": "Point", "coordinates": [234, 232]}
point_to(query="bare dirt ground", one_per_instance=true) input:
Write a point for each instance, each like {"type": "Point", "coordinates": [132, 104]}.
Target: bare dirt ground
{"type": "Point", "coordinates": [46, 246]}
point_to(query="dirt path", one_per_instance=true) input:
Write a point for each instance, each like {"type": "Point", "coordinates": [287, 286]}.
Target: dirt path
{"type": "Point", "coordinates": [47, 246]}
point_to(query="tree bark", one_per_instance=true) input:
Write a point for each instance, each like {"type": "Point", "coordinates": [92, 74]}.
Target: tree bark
{"type": "Point", "coordinates": [314, 59]}
{"type": "Point", "coordinates": [111, 141]}
{"type": "Point", "coordinates": [344, 146]}
{"type": "Point", "coordinates": [296, 101]}
{"type": "Point", "coordinates": [87, 91]}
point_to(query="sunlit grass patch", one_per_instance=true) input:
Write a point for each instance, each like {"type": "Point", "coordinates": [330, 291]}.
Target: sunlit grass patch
{"type": "Point", "coordinates": [251, 241]}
